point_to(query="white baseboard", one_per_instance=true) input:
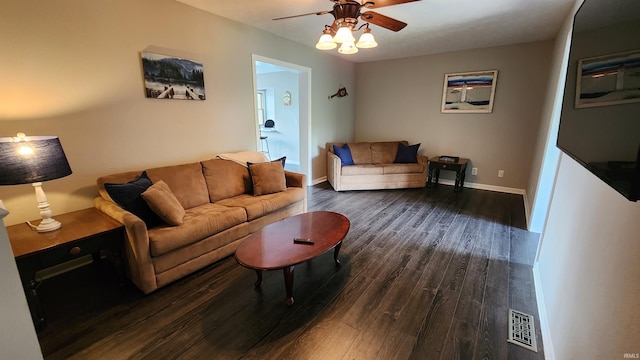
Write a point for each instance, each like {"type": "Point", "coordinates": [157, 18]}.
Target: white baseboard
{"type": "Point", "coordinates": [547, 342]}
{"type": "Point", "coordinates": [503, 189]}
{"type": "Point", "coordinates": [318, 180]}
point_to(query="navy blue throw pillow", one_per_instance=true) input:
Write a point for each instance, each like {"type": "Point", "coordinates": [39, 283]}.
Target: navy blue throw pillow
{"type": "Point", "coordinates": [407, 154]}
{"type": "Point", "coordinates": [283, 160]}
{"type": "Point", "coordinates": [128, 196]}
{"type": "Point", "coordinates": [344, 153]}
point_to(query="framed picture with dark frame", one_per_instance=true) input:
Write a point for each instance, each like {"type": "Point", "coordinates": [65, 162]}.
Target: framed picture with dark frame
{"type": "Point", "coordinates": [608, 80]}
{"type": "Point", "coordinates": [469, 92]}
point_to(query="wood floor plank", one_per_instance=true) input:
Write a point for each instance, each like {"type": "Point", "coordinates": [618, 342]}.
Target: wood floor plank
{"type": "Point", "coordinates": [492, 330]}
{"type": "Point", "coordinates": [397, 346]}
{"type": "Point", "coordinates": [379, 324]}
{"type": "Point", "coordinates": [452, 282]}
{"type": "Point", "coordinates": [462, 335]}
{"type": "Point", "coordinates": [411, 316]}
{"type": "Point", "coordinates": [491, 342]}
{"type": "Point", "coordinates": [435, 326]}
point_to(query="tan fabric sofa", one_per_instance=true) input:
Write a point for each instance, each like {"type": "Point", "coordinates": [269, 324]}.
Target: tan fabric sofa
{"type": "Point", "coordinates": [220, 210]}
{"type": "Point", "coordinates": [374, 168]}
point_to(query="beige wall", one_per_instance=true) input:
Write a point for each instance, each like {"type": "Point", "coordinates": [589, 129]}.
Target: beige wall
{"type": "Point", "coordinates": [546, 153]}
{"type": "Point", "coordinates": [401, 99]}
{"type": "Point", "coordinates": [588, 268]}
{"type": "Point", "coordinates": [72, 68]}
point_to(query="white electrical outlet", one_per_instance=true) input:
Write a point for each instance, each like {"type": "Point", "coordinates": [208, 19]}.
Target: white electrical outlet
{"type": "Point", "coordinates": [500, 173]}
{"type": "Point", "coordinates": [474, 171]}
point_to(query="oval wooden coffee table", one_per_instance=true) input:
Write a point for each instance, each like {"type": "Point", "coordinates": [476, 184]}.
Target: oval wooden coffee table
{"type": "Point", "coordinates": [273, 248]}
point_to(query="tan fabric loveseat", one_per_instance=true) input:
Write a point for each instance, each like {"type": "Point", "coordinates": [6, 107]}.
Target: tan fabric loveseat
{"type": "Point", "coordinates": [374, 168]}
{"type": "Point", "coordinates": [220, 210]}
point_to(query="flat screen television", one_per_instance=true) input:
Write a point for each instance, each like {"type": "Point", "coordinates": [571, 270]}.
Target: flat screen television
{"type": "Point", "coordinates": [600, 119]}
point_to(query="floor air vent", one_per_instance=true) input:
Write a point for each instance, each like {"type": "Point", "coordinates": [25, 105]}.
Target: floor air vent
{"type": "Point", "coordinates": [522, 330]}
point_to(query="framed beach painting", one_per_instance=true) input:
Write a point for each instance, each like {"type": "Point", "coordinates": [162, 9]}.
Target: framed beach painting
{"type": "Point", "coordinates": [608, 80]}
{"type": "Point", "coordinates": [169, 77]}
{"type": "Point", "coordinates": [469, 92]}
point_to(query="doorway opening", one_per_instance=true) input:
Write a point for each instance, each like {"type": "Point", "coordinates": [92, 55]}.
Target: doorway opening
{"type": "Point", "coordinates": [282, 102]}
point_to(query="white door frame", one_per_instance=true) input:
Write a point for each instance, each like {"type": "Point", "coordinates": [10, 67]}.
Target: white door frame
{"type": "Point", "coordinates": [304, 82]}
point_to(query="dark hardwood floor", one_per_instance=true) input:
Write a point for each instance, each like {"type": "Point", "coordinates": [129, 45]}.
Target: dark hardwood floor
{"type": "Point", "coordinates": [426, 274]}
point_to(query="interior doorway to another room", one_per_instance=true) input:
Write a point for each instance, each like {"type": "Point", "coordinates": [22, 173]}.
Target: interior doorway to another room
{"type": "Point", "coordinates": [282, 112]}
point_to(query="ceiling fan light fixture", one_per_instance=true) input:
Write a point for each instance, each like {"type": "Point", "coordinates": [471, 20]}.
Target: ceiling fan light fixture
{"type": "Point", "coordinates": [346, 14]}
{"type": "Point", "coordinates": [344, 35]}
{"type": "Point", "coordinates": [326, 42]}
{"type": "Point", "coordinates": [348, 48]}
{"type": "Point", "coordinates": [367, 41]}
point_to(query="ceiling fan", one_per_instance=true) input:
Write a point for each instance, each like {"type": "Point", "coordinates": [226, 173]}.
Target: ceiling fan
{"type": "Point", "coordinates": [346, 14]}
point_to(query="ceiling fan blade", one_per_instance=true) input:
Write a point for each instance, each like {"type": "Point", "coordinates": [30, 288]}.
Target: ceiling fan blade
{"type": "Point", "coordinates": [295, 16]}
{"type": "Point", "coordinates": [374, 4]}
{"type": "Point", "coordinates": [383, 21]}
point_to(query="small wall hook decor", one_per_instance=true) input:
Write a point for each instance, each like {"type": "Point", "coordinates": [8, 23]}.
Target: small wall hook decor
{"type": "Point", "coordinates": [342, 92]}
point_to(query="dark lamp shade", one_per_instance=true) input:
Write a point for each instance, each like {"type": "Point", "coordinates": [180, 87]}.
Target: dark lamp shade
{"type": "Point", "coordinates": [41, 158]}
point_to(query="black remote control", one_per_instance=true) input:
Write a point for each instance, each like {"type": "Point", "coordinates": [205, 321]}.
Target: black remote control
{"type": "Point", "coordinates": [303, 241]}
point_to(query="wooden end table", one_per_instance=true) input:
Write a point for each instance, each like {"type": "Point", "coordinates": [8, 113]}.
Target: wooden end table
{"type": "Point", "coordinates": [460, 167]}
{"type": "Point", "coordinates": [83, 232]}
{"type": "Point", "coordinates": [273, 248]}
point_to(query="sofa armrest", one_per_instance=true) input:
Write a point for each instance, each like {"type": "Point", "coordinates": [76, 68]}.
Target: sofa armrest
{"type": "Point", "coordinates": [141, 269]}
{"type": "Point", "coordinates": [424, 160]}
{"type": "Point", "coordinates": [295, 179]}
{"type": "Point", "coordinates": [334, 170]}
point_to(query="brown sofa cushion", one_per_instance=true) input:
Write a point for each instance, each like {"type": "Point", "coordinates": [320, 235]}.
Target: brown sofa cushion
{"type": "Point", "coordinates": [404, 168]}
{"type": "Point", "coordinates": [360, 152]}
{"type": "Point", "coordinates": [384, 152]}
{"type": "Point", "coordinates": [362, 170]}
{"type": "Point", "coordinates": [225, 179]}
{"type": "Point", "coordinates": [186, 182]}
{"type": "Point", "coordinates": [267, 178]}
{"type": "Point", "coordinates": [257, 206]}
{"type": "Point", "coordinates": [199, 222]}
{"type": "Point", "coordinates": [162, 201]}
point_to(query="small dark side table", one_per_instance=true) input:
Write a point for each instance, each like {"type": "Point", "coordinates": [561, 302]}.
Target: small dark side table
{"type": "Point", "coordinates": [460, 167]}
{"type": "Point", "coordinates": [83, 232]}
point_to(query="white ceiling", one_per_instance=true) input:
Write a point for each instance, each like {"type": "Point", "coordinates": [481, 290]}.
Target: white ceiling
{"type": "Point", "coordinates": [435, 26]}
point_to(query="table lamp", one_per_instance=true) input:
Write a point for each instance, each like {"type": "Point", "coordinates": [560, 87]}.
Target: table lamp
{"type": "Point", "coordinates": [32, 160]}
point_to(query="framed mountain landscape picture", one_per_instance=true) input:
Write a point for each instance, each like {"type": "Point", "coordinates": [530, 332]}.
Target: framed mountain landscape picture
{"type": "Point", "coordinates": [167, 77]}
{"type": "Point", "coordinates": [469, 92]}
